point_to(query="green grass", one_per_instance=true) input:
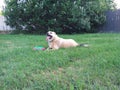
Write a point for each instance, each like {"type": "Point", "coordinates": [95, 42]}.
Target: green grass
{"type": "Point", "coordinates": [93, 68]}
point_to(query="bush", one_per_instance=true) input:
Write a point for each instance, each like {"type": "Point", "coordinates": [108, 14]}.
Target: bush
{"type": "Point", "coordinates": [62, 16]}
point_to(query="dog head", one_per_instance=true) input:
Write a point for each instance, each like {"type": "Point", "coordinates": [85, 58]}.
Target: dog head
{"type": "Point", "coordinates": [51, 36]}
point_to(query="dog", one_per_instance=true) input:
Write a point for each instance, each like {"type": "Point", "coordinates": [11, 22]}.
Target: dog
{"type": "Point", "coordinates": [55, 42]}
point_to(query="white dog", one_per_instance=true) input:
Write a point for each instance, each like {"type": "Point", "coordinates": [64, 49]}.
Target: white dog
{"type": "Point", "coordinates": [55, 42]}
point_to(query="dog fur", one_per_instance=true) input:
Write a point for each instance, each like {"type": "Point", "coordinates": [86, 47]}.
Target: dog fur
{"type": "Point", "coordinates": [55, 42]}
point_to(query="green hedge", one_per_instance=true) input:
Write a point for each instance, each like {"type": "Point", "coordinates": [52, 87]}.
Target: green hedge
{"type": "Point", "coordinates": [62, 16]}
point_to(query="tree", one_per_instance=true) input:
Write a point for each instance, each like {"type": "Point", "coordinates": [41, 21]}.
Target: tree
{"type": "Point", "coordinates": [62, 16]}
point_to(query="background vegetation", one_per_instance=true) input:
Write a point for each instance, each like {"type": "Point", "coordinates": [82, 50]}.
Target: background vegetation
{"type": "Point", "coordinates": [62, 16]}
{"type": "Point", "coordinates": [0, 13]}
{"type": "Point", "coordinates": [94, 68]}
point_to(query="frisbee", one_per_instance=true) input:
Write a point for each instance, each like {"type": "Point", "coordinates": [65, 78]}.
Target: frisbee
{"type": "Point", "coordinates": [39, 48]}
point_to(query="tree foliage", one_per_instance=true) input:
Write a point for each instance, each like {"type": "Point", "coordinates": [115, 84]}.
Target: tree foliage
{"type": "Point", "coordinates": [62, 16]}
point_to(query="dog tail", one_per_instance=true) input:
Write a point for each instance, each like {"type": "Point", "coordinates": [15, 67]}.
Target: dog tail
{"type": "Point", "coordinates": [84, 45]}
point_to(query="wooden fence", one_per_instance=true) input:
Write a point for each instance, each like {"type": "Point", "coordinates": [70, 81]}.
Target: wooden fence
{"type": "Point", "coordinates": [112, 22]}
{"type": "Point", "coordinates": [3, 26]}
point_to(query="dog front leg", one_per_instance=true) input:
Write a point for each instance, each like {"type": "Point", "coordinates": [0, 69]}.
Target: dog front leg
{"type": "Point", "coordinates": [49, 46]}
{"type": "Point", "coordinates": [53, 48]}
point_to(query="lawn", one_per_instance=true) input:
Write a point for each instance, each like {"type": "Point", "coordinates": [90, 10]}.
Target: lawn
{"type": "Point", "coordinates": [80, 68]}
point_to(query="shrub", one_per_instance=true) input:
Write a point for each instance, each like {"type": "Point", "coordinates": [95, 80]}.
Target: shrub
{"type": "Point", "coordinates": [62, 16]}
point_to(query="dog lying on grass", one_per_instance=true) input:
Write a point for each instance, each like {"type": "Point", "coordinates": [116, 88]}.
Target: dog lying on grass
{"type": "Point", "coordinates": [55, 42]}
